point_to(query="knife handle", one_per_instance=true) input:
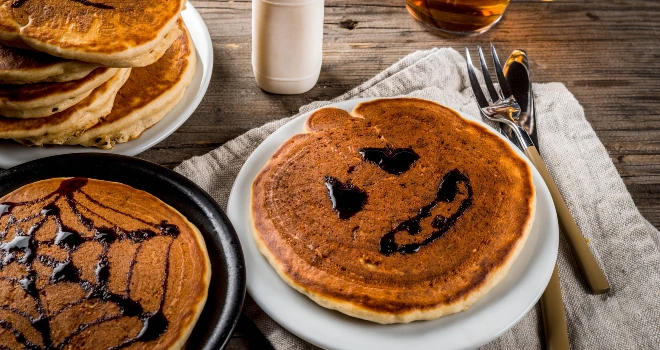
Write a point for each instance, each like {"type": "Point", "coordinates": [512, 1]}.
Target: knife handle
{"type": "Point", "coordinates": [554, 317]}
{"type": "Point", "coordinates": [588, 264]}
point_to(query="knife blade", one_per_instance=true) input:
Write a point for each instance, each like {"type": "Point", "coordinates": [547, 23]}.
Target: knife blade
{"type": "Point", "coordinates": [518, 75]}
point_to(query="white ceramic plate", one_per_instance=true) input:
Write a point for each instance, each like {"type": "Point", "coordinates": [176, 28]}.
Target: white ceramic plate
{"type": "Point", "coordinates": [12, 153]}
{"type": "Point", "coordinates": [484, 321]}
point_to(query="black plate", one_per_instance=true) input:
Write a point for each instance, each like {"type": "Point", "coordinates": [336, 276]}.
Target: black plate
{"type": "Point", "coordinates": [227, 289]}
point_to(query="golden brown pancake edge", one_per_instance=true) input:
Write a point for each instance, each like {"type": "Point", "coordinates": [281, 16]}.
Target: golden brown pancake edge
{"type": "Point", "coordinates": [38, 100]}
{"type": "Point", "coordinates": [58, 128]}
{"type": "Point", "coordinates": [18, 66]}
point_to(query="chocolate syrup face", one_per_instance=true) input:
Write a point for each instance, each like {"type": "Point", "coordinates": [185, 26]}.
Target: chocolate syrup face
{"type": "Point", "coordinates": [18, 3]}
{"type": "Point", "coordinates": [346, 199]}
{"type": "Point", "coordinates": [446, 193]}
{"type": "Point", "coordinates": [395, 161]}
{"type": "Point", "coordinates": [24, 249]}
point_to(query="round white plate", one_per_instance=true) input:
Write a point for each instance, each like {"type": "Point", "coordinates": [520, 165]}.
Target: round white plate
{"type": "Point", "coordinates": [484, 321]}
{"type": "Point", "coordinates": [12, 153]}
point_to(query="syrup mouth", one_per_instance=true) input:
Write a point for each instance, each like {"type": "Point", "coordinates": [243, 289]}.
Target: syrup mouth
{"type": "Point", "coordinates": [447, 193]}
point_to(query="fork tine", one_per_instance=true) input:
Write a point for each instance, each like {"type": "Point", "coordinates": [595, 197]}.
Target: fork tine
{"type": "Point", "coordinates": [504, 85]}
{"type": "Point", "coordinates": [489, 83]}
{"type": "Point", "coordinates": [474, 82]}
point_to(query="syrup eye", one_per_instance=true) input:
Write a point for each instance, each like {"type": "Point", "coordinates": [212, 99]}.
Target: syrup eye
{"type": "Point", "coordinates": [395, 161]}
{"type": "Point", "coordinates": [347, 199]}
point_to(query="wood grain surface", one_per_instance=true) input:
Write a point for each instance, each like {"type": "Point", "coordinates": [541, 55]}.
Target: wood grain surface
{"type": "Point", "coordinates": [607, 52]}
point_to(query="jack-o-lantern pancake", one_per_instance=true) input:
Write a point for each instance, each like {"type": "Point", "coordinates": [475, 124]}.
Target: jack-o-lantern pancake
{"type": "Point", "coordinates": [402, 211]}
{"type": "Point", "coordinates": [90, 264]}
{"type": "Point", "coordinates": [110, 33]}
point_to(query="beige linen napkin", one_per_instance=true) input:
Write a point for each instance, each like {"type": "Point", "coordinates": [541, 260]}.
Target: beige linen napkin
{"type": "Point", "coordinates": [626, 246]}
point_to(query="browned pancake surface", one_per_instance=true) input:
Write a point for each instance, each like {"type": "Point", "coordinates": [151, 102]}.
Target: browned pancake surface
{"type": "Point", "coordinates": [98, 26]}
{"type": "Point", "coordinates": [12, 58]}
{"type": "Point", "coordinates": [103, 265]}
{"type": "Point", "coordinates": [22, 66]}
{"type": "Point", "coordinates": [341, 260]}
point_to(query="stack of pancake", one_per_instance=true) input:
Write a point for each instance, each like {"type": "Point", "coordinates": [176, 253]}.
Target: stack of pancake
{"type": "Point", "coordinates": [90, 73]}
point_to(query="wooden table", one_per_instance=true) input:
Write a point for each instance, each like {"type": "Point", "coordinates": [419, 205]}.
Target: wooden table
{"type": "Point", "coordinates": [607, 52]}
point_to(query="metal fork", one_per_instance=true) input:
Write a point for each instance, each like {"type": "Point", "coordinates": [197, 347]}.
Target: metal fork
{"type": "Point", "coordinates": [500, 106]}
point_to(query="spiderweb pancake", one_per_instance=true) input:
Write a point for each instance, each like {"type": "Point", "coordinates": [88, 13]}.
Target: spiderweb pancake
{"type": "Point", "coordinates": [97, 265]}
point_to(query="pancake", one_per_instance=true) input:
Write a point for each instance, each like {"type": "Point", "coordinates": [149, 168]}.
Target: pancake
{"type": "Point", "coordinates": [154, 54]}
{"type": "Point", "coordinates": [58, 128]}
{"type": "Point", "coordinates": [149, 94]}
{"type": "Point", "coordinates": [402, 211]}
{"type": "Point", "coordinates": [40, 100]}
{"type": "Point", "coordinates": [90, 264]}
{"type": "Point", "coordinates": [19, 66]}
{"type": "Point", "coordinates": [110, 33]}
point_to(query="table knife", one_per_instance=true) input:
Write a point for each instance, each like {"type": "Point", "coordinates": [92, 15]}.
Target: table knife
{"type": "Point", "coordinates": [517, 68]}
{"type": "Point", "coordinates": [516, 72]}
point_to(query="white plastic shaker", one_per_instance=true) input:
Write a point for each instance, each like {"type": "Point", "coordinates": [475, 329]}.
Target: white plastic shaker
{"type": "Point", "coordinates": [287, 44]}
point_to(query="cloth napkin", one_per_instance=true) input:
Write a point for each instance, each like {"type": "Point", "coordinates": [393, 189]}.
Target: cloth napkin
{"type": "Point", "coordinates": [626, 246]}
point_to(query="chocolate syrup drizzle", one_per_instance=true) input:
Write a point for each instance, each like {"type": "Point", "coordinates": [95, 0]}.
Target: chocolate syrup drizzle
{"type": "Point", "coordinates": [395, 161]}
{"type": "Point", "coordinates": [447, 192]}
{"type": "Point", "coordinates": [18, 3]}
{"type": "Point", "coordinates": [24, 249]}
{"type": "Point", "coordinates": [347, 199]}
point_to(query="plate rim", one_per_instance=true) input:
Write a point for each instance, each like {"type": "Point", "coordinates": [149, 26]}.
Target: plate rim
{"type": "Point", "coordinates": [206, 205]}
{"type": "Point", "coordinates": [234, 215]}
{"type": "Point", "coordinates": [191, 18]}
